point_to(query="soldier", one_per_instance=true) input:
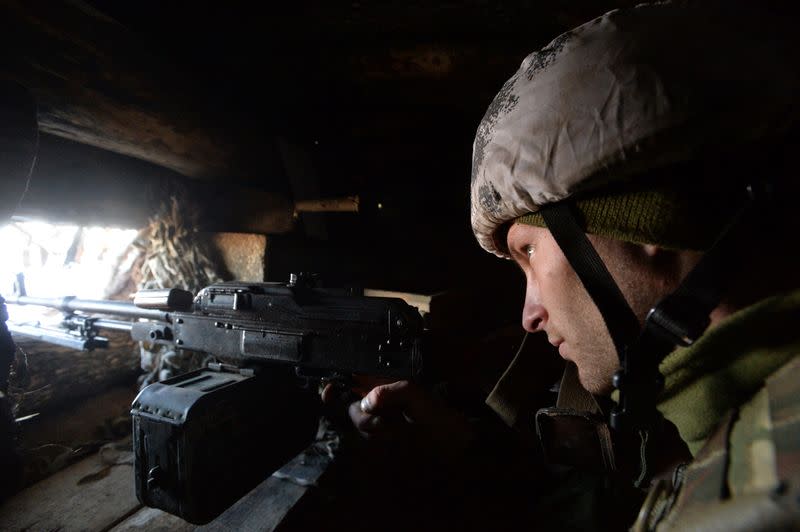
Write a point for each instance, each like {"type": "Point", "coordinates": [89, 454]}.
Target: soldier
{"type": "Point", "coordinates": [636, 169]}
{"type": "Point", "coordinates": [662, 132]}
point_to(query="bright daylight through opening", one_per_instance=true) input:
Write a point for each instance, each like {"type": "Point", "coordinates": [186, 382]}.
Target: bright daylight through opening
{"type": "Point", "coordinates": [59, 260]}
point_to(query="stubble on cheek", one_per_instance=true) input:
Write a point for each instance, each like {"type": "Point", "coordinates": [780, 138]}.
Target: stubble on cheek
{"type": "Point", "coordinates": [599, 359]}
{"type": "Point", "coordinates": [595, 356]}
{"type": "Point", "coordinates": [574, 317]}
{"type": "Point", "coordinates": [587, 341]}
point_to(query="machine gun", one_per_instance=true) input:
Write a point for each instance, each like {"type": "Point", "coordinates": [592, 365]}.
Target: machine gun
{"type": "Point", "coordinates": [205, 438]}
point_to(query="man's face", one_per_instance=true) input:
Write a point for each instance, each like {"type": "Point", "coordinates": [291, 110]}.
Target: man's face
{"type": "Point", "coordinates": [557, 303]}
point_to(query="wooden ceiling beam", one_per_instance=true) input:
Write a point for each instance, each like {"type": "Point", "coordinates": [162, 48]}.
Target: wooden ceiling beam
{"type": "Point", "coordinates": [78, 184]}
{"type": "Point", "coordinates": [97, 83]}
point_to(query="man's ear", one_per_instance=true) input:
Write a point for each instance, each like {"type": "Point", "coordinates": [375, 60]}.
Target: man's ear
{"type": "Point", "coordinates": [659, 259]}
{"type": "Point", "coordinates": [666, 263]}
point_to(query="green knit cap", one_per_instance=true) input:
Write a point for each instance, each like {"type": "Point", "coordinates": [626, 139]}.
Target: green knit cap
{"type": "Point", "coordinates": [673, 213]}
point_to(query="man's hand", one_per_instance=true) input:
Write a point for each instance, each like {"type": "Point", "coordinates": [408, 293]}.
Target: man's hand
{"type": "Point", "coordinates": [403, 413]}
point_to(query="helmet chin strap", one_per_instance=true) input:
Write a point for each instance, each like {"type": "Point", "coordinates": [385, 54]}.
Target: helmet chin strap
{"type": "Point", "coordinates": [622, 324]}
{"type": "Point", "coordinates": [677, 320]}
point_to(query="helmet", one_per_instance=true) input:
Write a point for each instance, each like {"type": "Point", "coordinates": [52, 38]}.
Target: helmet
{"type": "Point", "coordinates": [627, 93]}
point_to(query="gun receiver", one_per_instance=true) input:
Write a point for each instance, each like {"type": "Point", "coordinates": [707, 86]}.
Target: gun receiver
{"type": "Point", "coordinates": [323, 333]}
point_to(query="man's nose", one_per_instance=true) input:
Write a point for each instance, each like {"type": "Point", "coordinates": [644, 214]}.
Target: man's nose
{"type": "Point", "coordinates": [534, 315]}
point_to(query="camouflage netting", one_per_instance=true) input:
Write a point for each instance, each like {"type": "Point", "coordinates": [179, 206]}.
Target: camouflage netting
{"type": "Point", "coordinates": [169, 254]}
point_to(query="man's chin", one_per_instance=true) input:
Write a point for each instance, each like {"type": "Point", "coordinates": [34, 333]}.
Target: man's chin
{"type": "Point", "coordinates": [594, 383]}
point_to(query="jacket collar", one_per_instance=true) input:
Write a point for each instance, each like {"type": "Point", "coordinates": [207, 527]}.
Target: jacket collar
{"type": "Point", "coordinates": [728, 364]}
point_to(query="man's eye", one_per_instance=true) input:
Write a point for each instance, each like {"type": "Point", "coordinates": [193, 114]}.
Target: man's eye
{"type": "Point", "coordinates": [529, 251]}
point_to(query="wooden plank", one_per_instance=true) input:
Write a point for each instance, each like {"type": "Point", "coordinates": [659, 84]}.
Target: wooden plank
{"type": "Point", "coordinates": [88, 495]}
{"type": "Point", "coordinates": [153, 520]}
{"type": "Point", "coordinates": [269, 503]}
{"type": "Point", "coordinates": [261, 510]}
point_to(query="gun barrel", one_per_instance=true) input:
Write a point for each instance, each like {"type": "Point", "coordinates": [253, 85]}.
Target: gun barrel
{"type": "Point", "coordinates": [91, 306]}
{"type": "Point", "coordinates": [113, 325]}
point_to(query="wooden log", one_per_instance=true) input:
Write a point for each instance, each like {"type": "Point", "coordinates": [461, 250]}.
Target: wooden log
{"type": "Point", "coordinates": [79, 184]}
{"type": "Point", "coordinates": [59, 374]}
{"type": "Point", "coordinates": [98, 83]}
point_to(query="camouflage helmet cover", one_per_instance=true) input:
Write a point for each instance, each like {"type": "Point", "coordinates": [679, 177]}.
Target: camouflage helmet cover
{"type": "Point", "coordinates": [632, 90]}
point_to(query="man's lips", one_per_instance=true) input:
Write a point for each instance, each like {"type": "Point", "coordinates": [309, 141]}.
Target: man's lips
{"type": "Point", "coordinates": [555, 341]}
{"type": "Point", "coordinates": [558, 343]}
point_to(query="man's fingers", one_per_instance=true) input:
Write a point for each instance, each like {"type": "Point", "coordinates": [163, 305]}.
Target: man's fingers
{"type": "Point", "coordinates": [364, 422]}
{"type": "Point", "coordinates": [401, 396]}
{"type": "Point", "coordinates": [362, 384]}
{"type": "Point", "coordinates": [402, 410]}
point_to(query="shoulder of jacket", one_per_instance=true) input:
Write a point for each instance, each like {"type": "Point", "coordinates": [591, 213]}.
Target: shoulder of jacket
{"type": "Point", "coordinates": [747, 475]}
